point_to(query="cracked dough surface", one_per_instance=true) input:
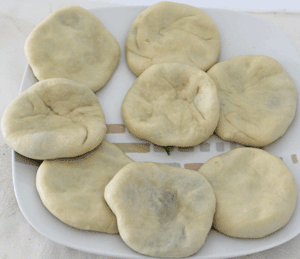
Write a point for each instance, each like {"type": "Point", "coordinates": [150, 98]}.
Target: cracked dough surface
{"type": "Point", "coordinates": [73, 43]}
{"type": "Point", "coordinates": [54, 118]}
{"type": "Point", "coordinates": [73, 189]}
{"type": "Point", "coordinates": [258, 99]}
{"type": "Point", "coordinates": [172, 32]}
{"type": "Point", "coordinates": [161, 210]}
{"type": "Point", "coordinates": [172, 104]}
{"type": "Point", "coordinates": [256, 192]}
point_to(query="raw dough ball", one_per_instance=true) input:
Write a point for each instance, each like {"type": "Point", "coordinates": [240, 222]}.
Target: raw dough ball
{"type": "Point", "coordinates": [172, 104]}
{"type": "Point", "coordinates": [256, 192]}
{"type": "Point", "coordinates": [161, 210]}
{"type": "Point", "coordinates": [258, 99]}
{"type": "Point", "coordinates": [54, 118]}
{"type": "Point", "coordinates": [73, 189]}
{"type": "Point", "coordinates": [172, 32]}
{"type": "Point", "coordinates": [73, 43]}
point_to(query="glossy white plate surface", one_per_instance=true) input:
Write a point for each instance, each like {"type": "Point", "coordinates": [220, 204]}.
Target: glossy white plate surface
{"type": "Point", "coordinates": [241, 34]}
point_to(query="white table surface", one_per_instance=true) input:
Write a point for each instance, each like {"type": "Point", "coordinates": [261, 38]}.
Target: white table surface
{"type": "Point", "coordinates": [17, 19]}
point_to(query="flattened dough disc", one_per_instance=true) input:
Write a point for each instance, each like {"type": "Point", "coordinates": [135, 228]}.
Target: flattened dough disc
{"type": "Point", "coordinates": [73, 189]}
{"type": "Point", "coordinates": [172, 32]}
{"type": "Point", "coordinates": [54, 118]}
{"type": "Point", "coordinates": [73, 43]}
{"type": "Point", "coordinates": [258, 99]}
{"type": "Point", "coordinates": [161, 210]}
{"type": "Point", "coordinates": [172, 104]}
{"type": "Point", "coordinates": [256, 192]}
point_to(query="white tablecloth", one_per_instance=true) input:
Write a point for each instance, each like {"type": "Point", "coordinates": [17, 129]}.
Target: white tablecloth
{"type": "Point", "coordinates": [17, 238]}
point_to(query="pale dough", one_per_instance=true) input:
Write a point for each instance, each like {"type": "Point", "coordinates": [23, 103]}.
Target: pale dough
{"type": "Point", "coordinates": [256, 192]}
{"type": "Point", "coordinates": [54, 118]}
{"type": "Point", "coordinates": [172, 104]}
{"type": "Point", "coordinates": [258, 99]}
{"type": "Point", "coordinates": [73, 43]}
{"type": "Point", "coordinates": [161, 210]}
{"type": "Point", "coordinates": [172, 32]}
{"type": "Point", "coordinates": [73, 189]}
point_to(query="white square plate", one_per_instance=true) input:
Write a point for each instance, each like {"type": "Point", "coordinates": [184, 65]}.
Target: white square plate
{"type": "Point", "coordinates": [241, 34]}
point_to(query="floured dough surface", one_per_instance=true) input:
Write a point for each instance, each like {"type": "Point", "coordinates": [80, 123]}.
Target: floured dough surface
{"type": "Point", "coordinates": [73, 189]}
{"type": "Point", "coordinates": [161, 210]}
{"type": "Point", "coordinates": [172, 104]}
{"type": "Point", "coordinates": [258, 99]}
{"type": "Point", "coordinates": [73, 43]}
{"type": "Point", "coordinates": [172, 32]}
{"type": "Point", "coordinates": [54, 118]}
{"type": "Point", "coordinates": [256, 192]}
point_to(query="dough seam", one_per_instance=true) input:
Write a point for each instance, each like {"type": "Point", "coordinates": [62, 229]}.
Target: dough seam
{"type": "Point", "coordinates": [238, 131]}
{"type": "Point", "coordinates": [140, 54]}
